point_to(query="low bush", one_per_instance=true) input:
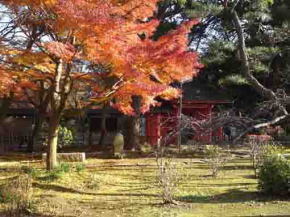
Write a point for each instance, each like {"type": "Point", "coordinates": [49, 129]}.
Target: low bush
{"type": "Point", "coordinates": [30, 171]}
{"type": "Point", "coordinates": [80, 167]}
{"type": "Point", "coordinates": [58, 172]}
{"type": "Point", "coordinates": [64, 168]}
{"type": "Point", "coordinates": [274, 175]}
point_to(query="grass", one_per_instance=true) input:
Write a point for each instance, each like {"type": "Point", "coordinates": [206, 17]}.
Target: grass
{"type": "Point", "coordinates": [124, 188]}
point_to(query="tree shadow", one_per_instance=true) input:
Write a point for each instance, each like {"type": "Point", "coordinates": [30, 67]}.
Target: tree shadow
{"type": "Point", "coordinates": [15, 156]}
{"type": "Point", "coordinates": [59, 188]}
{"type": "Point", "coordinates": [231, 196]}
{"type": "Point", "coordinates": [266, 216]}
{"type": "Point", "coordinates": [224, 184]}
{"type": "Point", "coordinates": [24, 214]}
{"type": "Point", "coordinates": [238, 167]}
{"type": "Point", "coordinates": [250, 176]}
{"type": "Point", "coordinates": [56, 188]}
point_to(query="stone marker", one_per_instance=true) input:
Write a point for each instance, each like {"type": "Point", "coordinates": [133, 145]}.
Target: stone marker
{"type": "Point", "coordinates": [69, 157]}
{"type": "Point", "coordinates": [286, 156]}
{"type": "Point", "coordinates": [118, 145]}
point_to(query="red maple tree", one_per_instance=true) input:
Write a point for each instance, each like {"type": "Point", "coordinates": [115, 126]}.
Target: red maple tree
{"type": "Point", "coordinates": [65, 39]}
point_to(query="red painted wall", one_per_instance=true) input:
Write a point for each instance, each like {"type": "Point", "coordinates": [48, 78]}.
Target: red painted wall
{"type": "Point", "coordinates": [160, 125]}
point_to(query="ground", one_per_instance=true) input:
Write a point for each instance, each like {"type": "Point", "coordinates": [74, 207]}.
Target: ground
{"type": "Point", "coordinates": [128, 187]}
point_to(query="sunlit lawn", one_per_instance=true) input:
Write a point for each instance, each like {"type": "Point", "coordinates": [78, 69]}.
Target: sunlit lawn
{"type": "Point", "coordinates": [128, 187]}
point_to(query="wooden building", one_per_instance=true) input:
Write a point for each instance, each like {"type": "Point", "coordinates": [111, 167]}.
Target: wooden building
{"type": "Point", "coordinates": [198, 101]}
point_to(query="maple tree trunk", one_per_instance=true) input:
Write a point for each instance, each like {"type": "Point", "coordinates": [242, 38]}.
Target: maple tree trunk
{"type": "Point", "coordinates": [52, 142]}
{"type": "Point", "coordinates": [57, 106]}
{"type": "Point", "coordinates": [132, 126]}
{"type": "Point", "coordinates": [132, 133]}
{"type": "Point", "coordinates": [136, 122]}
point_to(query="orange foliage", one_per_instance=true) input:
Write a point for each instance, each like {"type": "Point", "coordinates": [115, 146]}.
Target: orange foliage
{"type": "Point", "coordinates": [6, 82]}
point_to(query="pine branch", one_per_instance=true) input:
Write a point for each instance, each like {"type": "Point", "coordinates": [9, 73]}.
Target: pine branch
{"type": "Point", "coordinates": [260, 88]}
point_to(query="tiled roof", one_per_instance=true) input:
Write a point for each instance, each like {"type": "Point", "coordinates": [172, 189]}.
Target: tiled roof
{"type": "Point", "coordinates": [201, 92]}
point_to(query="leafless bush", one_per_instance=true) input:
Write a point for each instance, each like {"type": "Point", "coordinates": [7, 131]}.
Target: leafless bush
{"type": "Point", "coordinates": [16, 194]}
{"type": "Point", "coordinates": [255, 153]}
{"type": "Point", "coordinates": [259, 150]}
{"type": "Point", "coordinates": [168, 178]}
{"type": "Point", "coordinates": [216, 158]}
{"type": "Point", "coordinates": [92, 183]}
{"type": "Point", "coordinates": [189, 127]}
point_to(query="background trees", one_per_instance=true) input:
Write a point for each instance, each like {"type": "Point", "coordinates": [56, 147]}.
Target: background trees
{"type": "Point", "coordinates": [244, 46]}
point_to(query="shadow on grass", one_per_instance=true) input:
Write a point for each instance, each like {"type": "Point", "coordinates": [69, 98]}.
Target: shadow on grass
{"type": "Point", "coordinates": [48, 178]}
{"type": "Point", "coordinates": [209, 185]}
{"type": "Point", "coordinates": [195, 199]}
{"type": "Point", "coordinates": [238, 167]}
{"type": "Point", "coordinates": [232, 196]}
{"type": "Point", "coordinates": [266, 216]}
{"type": "Point", "coordinates": [250, 177]}
{"type": "Point", "coordinates": [24, 214]}
{"type": "Point", "coordinates": [59, 188]}
{"type": "Point", "coordinates": [19, 156]}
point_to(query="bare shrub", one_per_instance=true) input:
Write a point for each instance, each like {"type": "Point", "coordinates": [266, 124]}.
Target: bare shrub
{"type": "Point", "coordinates": [168, 178]}
{"type": "Point", "coordinates": [16, 194]}
{"type": "Point", "coordinates": [255, 154]}
{"type": "Point", "coordinates": [216, 158]}
{"type": "Point", "coordinates": [92, 183]}
{"type": "Point", "coordinates": [260, 150]}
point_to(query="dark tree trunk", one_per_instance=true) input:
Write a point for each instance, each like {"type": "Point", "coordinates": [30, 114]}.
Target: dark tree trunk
{"type": "Point", "coordinates": [132, 126]}
{"type": "Point", "coordinates": [132, 133]}
{"type": "Point", "coordinates": [127, 131]}
{"type": "Point", "coordinates": [32, 145]}
{"type": "Point", "coordinates": [136, 132]}
{"type": "Point", "coordinates": [4, 108]}
{"type": "Point", "coordinates": [103, 126]}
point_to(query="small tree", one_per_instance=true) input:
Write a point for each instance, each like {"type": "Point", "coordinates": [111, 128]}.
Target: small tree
{"type": "Point", "coordinates": [66, 137]}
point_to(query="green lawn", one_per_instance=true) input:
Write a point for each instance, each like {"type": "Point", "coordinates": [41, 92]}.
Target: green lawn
{"type": "Point", "coordinates": [111, 188]}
